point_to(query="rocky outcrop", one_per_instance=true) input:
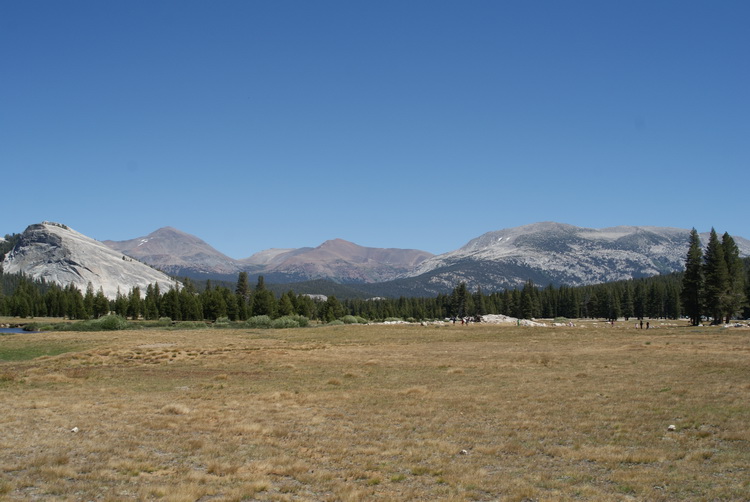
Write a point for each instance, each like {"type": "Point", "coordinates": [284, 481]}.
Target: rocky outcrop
{"type": "Point", "coordinates": [59, 254]}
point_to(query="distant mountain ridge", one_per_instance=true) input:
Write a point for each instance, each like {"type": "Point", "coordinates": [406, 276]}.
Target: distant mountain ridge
{"type": "Point", "coordinates": [182, 254]}
{"type": "Point", "coordinates": [176, 253]}
{"type": "Point", "coordinates": [559, 254]}
{"type": "Point", "coordinates": [545, 253]}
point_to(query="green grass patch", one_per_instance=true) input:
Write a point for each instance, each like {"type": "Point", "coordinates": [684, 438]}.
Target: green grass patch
{"type": "Point", "coordinates": [29, 351]}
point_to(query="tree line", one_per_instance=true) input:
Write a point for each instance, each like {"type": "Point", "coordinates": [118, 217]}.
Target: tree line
{"type": "Point", "coordinates": [714, 285]}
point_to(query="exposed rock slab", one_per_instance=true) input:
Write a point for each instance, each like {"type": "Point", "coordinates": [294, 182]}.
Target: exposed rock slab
{"type": "Point", "coordinates": [59, 254]}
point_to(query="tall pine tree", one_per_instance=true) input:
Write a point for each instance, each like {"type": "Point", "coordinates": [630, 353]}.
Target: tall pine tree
{"type": "Point", "coordinates": [716, 277]}
{"type": "Point", "coordinates": [692, 281]}
{"type": "Point", "coordinates": [735, 295]}
{"type": "Point", "coordinates": [264, 301]}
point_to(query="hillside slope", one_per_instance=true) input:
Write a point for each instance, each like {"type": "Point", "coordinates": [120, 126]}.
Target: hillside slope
{"type": "Point", "coordinates": [59, 254]}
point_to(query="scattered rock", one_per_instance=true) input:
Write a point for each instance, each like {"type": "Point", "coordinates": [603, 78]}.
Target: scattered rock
{"type": "Point", "coordinates": [671, 428]}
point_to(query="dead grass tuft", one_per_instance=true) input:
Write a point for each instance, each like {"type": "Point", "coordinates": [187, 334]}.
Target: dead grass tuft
{"type": "Point", "coordinates": [175, 409]}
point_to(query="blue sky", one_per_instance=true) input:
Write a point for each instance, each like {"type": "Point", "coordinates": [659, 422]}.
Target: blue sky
{"type": "Point", "coordinates": [406, 124]}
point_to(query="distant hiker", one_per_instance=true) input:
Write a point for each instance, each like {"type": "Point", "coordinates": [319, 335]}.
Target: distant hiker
{"type": "Point", "coordinates": [648, 325]}
{"type": "Point", "coordinates": [641, 323]}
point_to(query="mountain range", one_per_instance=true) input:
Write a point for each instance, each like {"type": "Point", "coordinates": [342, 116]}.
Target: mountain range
{"type": "Point", "coordinates": [546, 253]}
{"type": "Point", "coordinates": [182, 254]}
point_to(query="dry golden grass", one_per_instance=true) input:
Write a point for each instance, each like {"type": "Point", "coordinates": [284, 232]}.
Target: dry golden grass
{"type": "Point", "coordinates": [379, 412]}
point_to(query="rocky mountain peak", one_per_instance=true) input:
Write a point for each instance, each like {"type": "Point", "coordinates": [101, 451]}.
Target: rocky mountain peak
{"type": "Point", "coordinates": [59, 254]}
{"type": "Point", "coordinates": [176, 252]}
{"type": "Point", "coordinates": [555, 253]}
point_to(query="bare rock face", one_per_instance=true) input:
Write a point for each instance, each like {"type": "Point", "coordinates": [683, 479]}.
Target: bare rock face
{"type": "Point", "coordinates": [59, 254]}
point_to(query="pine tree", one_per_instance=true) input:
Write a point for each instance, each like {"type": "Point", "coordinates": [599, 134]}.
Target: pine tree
{"type": "Point", "coordinates": [170, 304]}
{"type": "Point", "coordinates": [230, 299]}
{"type": "Point", "coordinates": [529, 306]}
{"type": "Point", "coordinates": [150, 309]}
{"type": "Point", "coordinates": [135, 303]}
{"type": "Point", "coordinates": [242, 307]}
{"type": "Point", "coordinates": [75, 308]}
{"type": "Point", "coordinates": [88, 300]}
{"type": "Point", "coordinates": [735, 297]}
{"type": "Point", "coordinates": [480, 308]}
{"type": "Point", "coordinates": [121, 303]}
{"type": "Point", "coordinates": [459, 301]}
{"type": "Point", "coordinates": [264, 301]}
{"type": "Point", "coordinates": [189, 304]}
{"type": "Point", "coordinates": [242, 290]}
{"type": "Point", "coordinates": [286, 304]}
{"type": "Point", "coordinates": [628, 308]}
{"type": "Point", "coordinates": [331, 309]}
{"type": "Point", "coordinates": [101, 304]}
{"type": "Point", "coordinates": [716, 278]}
{"type": "Point", "coordinates": [692, 280]}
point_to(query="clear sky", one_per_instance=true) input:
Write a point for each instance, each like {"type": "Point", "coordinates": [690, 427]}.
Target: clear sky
{"type": "Point", "coordinates": [406, 124]}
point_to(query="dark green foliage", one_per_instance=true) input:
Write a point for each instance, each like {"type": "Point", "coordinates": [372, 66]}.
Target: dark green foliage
{"type": "Point", "coordinates": [529, 305]}
{"type": "Point", "coordinates": [716, 278]}
{"type": "Point", "coordinates": [692, 280]}
{"type": "Point", "coordinates": [111, 322]}
{"type": "Point", "coordinates": [289, 321]}
{"type": "Point", "coordinates": [259, 321]}
{"type": "Point", "coordinates": [735, 297]}
{"type": "Point", "coordinates": [263, 300]}
{"type": "Point", "coordinates": [331, 309]}
{"type": "Point", "coordinates": [461, 301]}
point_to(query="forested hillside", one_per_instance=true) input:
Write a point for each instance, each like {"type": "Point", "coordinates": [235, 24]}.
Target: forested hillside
{"type": "Point", "coordinates": [654, 297]}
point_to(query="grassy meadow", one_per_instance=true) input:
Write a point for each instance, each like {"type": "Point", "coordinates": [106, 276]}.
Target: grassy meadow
{"type": "Point", "coordinates": [398, 412]}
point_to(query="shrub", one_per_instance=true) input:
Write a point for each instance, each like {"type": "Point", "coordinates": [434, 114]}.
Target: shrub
{"type": "Point", "coordinates": [301, 320]}
{"type": "Point", "coordinates": [285, 322]}
{"type": "Point", "coordinates": [337, 322]}
{"type": "Point", "coordinates": [258, 321]}
{"type": "Point", "coordinates": [222, 321]}
{"type": "Point", "coordinates": [111, 323]}
{"type": "Point", "coordinates": [165, 321]}
{"type": "Point", "coordinates": [349, 319]}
